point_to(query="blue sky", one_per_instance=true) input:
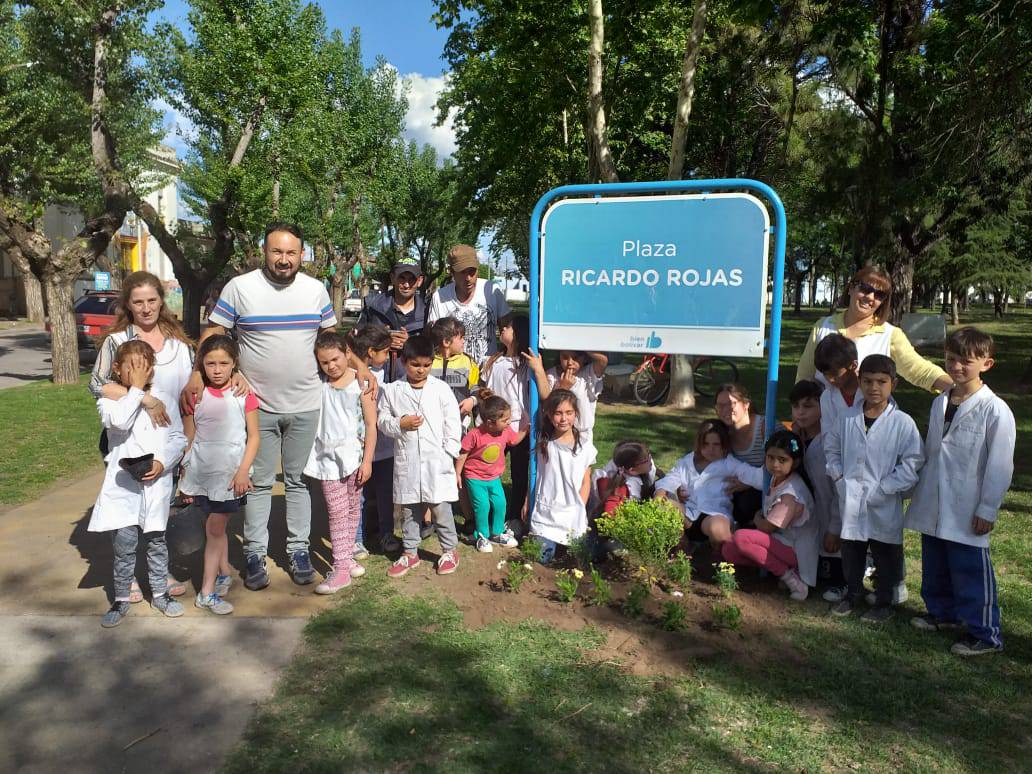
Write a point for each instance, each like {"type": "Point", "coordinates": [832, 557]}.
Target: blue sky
{"type": "Point", "coordinates": [399, 30]}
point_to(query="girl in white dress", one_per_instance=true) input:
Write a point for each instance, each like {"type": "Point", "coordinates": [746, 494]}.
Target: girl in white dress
{"type": "Point", "coordinates": [564, 460]}
{"type": "Point", "coordinates": [342, 455]}
{"type": "Point", "coordinates": [223, 435]}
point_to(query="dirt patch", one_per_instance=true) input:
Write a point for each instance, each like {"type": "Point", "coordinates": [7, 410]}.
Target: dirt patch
{"type": "Point", "coordinates": [639, 645]}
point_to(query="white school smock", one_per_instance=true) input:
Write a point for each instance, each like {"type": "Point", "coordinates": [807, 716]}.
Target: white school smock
{"type": "Point", "coordinates": [834, 406]}
{"type": "Point", "coordinates": [967, 472]}
{"type": "Point", "coordinates": [872, 470]}
{"type": "Point", "coordinates": [707, 489]}
{"type": "Point", "coordinates": [123, 501]}
{"type": "Point", "coordinates": [587, 387]}
{"type": "Point", "coordinates": [509, 378]}
{"type": "Point", "coordinates": [874, 342]}
{"type": "Point", "coordinates": [220, 440]}
{"type": "Point", "coordinates": [802, 534]}
{"type": "Point", "coordinates": [424, 458]}
{"type": "Point", "coordinates": [559, 513]}
{"type": "Point", "coordinates": [825, 501]}
{"type": "Point", "coordinates": [340, 435]}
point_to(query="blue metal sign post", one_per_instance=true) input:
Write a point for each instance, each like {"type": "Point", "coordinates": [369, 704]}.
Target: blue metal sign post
{"type": "Point", "coordinates": [698, 290]}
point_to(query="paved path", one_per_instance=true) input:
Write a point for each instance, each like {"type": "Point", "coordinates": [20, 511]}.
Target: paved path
{"type": "Point", "coordinates": [154, 694]}
{"type": "Point", "coordinates": [24, 355]}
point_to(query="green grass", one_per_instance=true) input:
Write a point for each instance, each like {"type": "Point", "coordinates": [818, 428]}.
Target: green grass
{"type": "Point", "coordinates": [390, 682]}
{"type": "Point", "coordinates": [47, 432]}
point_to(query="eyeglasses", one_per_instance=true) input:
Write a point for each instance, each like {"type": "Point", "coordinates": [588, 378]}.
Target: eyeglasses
{"type": "Point", "coordinates": [871, 290]}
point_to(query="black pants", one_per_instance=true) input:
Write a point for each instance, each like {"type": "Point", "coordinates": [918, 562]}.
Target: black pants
{"type": "Point", "coordinates": [519, 471]}
{"type": "Point", "coordinates": [887, 562]}
{"type": "Point", "coordinates": [745, 505]}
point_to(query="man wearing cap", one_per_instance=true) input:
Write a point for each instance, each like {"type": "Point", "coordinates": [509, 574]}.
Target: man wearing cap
{"type": "Point", "coordinates": [400, 308]}
{"type": "Point", "coordinates": [477, 303]}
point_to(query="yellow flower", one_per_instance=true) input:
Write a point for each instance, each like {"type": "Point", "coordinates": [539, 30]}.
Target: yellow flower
{"type": "Point", "coordinates": [578, 574]}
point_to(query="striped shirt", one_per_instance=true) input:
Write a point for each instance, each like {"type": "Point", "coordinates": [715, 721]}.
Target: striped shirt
{"type": "Point", "coordinates": [276, 328]}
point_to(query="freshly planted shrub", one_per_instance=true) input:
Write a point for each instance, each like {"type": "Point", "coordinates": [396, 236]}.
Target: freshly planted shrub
{"type": "Point", "coordinates": [580, 550]}
{"type": "Point", "coordinates": [725, 576]}
{"type": "Point", "coordinates": [679, 569]}
{"type": "Point", "coordinates": [530, 549]}
{"type": "Point", "coordinates": [601, 591]}
{"type": "Point", "coordinates": [517, 572]}
{"type": "Point", "coordinates": [638, 594]}
{"type": "Point", "coordinates": [727, 616]}
{"type": "Point", "coordinates": [674, 616]}
{"type": "Point", "coordinates": [649, 529]}
{"type": "Point", "coordinates": [566, 582]}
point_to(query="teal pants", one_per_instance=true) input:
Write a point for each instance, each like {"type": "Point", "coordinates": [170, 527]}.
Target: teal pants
{"type": "Point", "coordinates": [488, 500]}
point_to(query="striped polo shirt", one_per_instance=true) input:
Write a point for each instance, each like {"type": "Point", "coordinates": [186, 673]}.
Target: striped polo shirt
{"type": "Point", "coordinates": [276, 328]}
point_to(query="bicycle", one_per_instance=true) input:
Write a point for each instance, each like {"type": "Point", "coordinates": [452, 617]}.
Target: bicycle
{"type": "Point", "coordinates": [652, 377]}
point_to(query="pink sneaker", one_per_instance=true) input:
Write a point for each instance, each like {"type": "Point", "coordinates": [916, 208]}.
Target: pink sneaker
{"type": "Point", "coordinates": [404, 563]}
{"type": "Point", "coordinates": [447, 563]}
{"type": "Point", "coordinates": [335, 581]}
{"type": "Point", "coordinates": [797, 589]}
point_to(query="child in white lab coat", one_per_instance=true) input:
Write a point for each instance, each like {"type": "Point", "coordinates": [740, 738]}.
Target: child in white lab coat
{"type": "Point", "coordinates": [698, 484]}
{"type": "Point", "coordinates": [970, 461]}
{"type": "Point", "coordinates": [421, 415]}
{"type": "Point", "coordinates": [874, 454]}
{"type": "Point", "coordinates": [563, 483]}
{"type": "Point", "coordinates": [342, 455]}
{"type": "Point", "coordinates": [135, 495]}
{"type": "Point", "coordinates": [579, 372]}
{"type": "Point", "coordinates": [836, 361]}
{"type": "Point", "coordinates": [223, 435]}
{"type": "Point", "coordinates": [784, 540]}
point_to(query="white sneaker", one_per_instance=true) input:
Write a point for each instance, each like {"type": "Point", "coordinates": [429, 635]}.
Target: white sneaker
{"type": "Point", "coordinates": [899, 595]}
{"type": "Point", "coordinates": [505, 539]}
{"type": "Point", "coordinates": [834, 593]}
{"type": "Point", "coordinates": [360, 552]}
{"type": "Point", "coordinates": [797, 589]}
{"type": "Point", "coordinates": [357, 571]}
{"type": "Point", "coordinates": [214, 603]}
{"type": "Point", "coordinates": [484, 545]}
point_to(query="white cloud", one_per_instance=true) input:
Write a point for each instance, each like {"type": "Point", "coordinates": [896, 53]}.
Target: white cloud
{"type": "Point", "coordinates": [421, 119]}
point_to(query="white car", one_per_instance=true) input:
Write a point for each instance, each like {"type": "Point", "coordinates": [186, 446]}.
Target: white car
{"type": "Point", "coordinates": [353, 303]}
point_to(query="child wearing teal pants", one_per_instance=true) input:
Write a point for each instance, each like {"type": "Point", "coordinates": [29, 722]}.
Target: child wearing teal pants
{"type": "Point", "coordinates": [479, 469]}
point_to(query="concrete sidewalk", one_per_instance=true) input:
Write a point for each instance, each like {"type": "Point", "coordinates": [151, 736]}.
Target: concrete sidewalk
{"type": "Point", "coordinates": [154, 694]}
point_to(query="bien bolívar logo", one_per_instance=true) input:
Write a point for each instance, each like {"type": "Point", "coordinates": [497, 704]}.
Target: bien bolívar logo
{"type": "Point", "coordinates": [652, 341]}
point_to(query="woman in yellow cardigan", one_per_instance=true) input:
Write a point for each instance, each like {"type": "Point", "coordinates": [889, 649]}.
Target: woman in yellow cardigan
{"type": "Point", "coordinates": [863, 321]}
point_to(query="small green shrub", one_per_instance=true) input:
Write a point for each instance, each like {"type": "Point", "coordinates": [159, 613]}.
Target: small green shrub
{"type": "Point", "coordinates": [580, 550]}
{"type": "Point", "coordinates": [675, 618]}
{"type": "Point", "coordinates": [566, 582]}
{"type": "Point", "coordinates": [679, 569]}
{"type": "Point", "coordinates": [530, 549]}
{"type": "Point", "coordinates": [517, 572]}
{"type": "Point", "coordinates": [601, 591]}
{"type": "Point", "coordinates": [649, 529]}
{"type": "Point", "coordinates": [727, 616]}
{"type": "Point", "coordinates": [638, 594]}
{"type": "Point", "coordinates": [724, 575]}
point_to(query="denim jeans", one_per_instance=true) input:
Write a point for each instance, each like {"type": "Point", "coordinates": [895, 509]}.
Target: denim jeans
{"type": "Point", "coordinates": [287, 438]}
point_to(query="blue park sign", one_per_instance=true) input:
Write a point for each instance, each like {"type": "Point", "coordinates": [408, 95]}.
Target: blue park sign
{"type": "Point", "coordinates": [682, 273]}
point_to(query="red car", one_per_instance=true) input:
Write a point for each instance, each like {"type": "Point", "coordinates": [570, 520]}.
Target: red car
{"type": "Point", "coordinates": [94, 312]}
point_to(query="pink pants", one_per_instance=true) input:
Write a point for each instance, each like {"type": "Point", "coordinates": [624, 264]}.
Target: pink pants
{"type": "Point", "coordinates": [760, 549]}
{"type": "Point", "coordinates": [344, 508]}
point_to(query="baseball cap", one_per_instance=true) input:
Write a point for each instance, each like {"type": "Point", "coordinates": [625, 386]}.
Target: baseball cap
{"type": "Point", "coordinates": [410, 265]}
{"type": "Point", "coordinates": [462, 257]}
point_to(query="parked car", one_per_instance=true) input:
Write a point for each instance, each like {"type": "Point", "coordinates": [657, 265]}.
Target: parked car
{"type": "Point", "coordinates": [94, 312]}
{"type": "Point", "coordinates": [353, 303]}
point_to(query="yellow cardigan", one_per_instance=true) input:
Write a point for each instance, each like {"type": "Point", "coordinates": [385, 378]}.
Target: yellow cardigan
{"type": "Point", "coordinates": [917, 370]}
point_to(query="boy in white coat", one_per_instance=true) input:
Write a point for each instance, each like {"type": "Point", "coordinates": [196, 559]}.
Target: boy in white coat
{"type": "Point", "coordinates": [970, 452]}
{"type": "Point", "coordinates": [130, 502]}
{"type": "Point", "coordinates": [874, 454]}
{"type": "Point", "coordinates": [421, 415]}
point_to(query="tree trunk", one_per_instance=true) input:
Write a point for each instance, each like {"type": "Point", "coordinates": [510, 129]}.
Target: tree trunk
{"type": "Point", "coordinates": [600, 158]}
{"type": "Point", "coordinates": [902, 274]}
{"type": "Point", "coordinates": [812, 285]}
{"type": "Point", "coordinates": [337, 294]}
{"type": "Point", "coordinates": [64, 345]}
{"type": "Point", "coordinates": [33, 298]}
{"type": "Point", "coordinates": [797, 301]}
{"type": "Point", "coordinates": [687, 92]}
{"type": "Point", "coordinates": [193, 302]}
{"type": "Point", "coordinates": [955, 306]}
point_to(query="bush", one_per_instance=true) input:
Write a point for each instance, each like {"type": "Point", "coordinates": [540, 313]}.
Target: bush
{"type": "Point", "coordinates": [649, 529]}
{"type": "Point", "coordinates": [674, 616]}
{"type": "Point", "coordinates": [566, 582]}
{"type": "Point", "coordinates": [679, 569]}
{"type": "Point", "coordinates": [727, 616]}
{"type": "Point", "coordinates": [638, 594]}
{"type": "Point", "coordinates": [601, 591]}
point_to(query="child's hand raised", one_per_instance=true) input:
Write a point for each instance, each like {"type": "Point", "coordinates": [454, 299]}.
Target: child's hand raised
{"type": "Point", "coordinates": [410, 422]}
{"type": "Point", "coordinates": [139, 372]}
{"type": "Point", "coordinates": [569, 376]}
{"type": "Point", "coordinates": [534, 362]}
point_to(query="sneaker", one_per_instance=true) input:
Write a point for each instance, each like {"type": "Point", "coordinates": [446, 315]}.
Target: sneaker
{"type": "Point", "coordinates": [301, 569]}
{"type": "Point", "coordinates": [929, 623]}
{"type": "Point", "coordinates": [834, 593]}
{"type": "Point", "coordinates": [257, 577]}
{"type": "Point", "coordinates": [516, 528]}
{"type": "Point", "coordinates": [971, 646]}
{"type": "Point", "coordinates": [167, 606]}
{"type": "Point", "coordinates": [223, 584]}
{"type": "Point", "coordinates": [113, 617]}
{"type": "Point", "coordinates": [448, 562]}
{"type": "Point", "coordinates": [899, 595]}
{"type": "Point", "coordinates": [843, 609]}
{"type": "Point", "coordinates": [506, 539]}
{"type": "Point", "coordinates": [402, 565]}
{"type": "Point", "coordinates": [214, 603]}
{"type": "Point", "coordinates": [390, 544]}
{"type": "Point", "coordinates": [357, 571]}
{"type": "Point", "coordinates": [360, 552]}
{"type": "Point", "coordinates": [484, 545]}
{"type": "Point", "coordinates": [335, 581]}
{"type": "Point", "coordinates": [426, 530]}
{"type": "Point", "coordinates": [796, 588]}
{"type": "Point", "coordinates": [878, 615]}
